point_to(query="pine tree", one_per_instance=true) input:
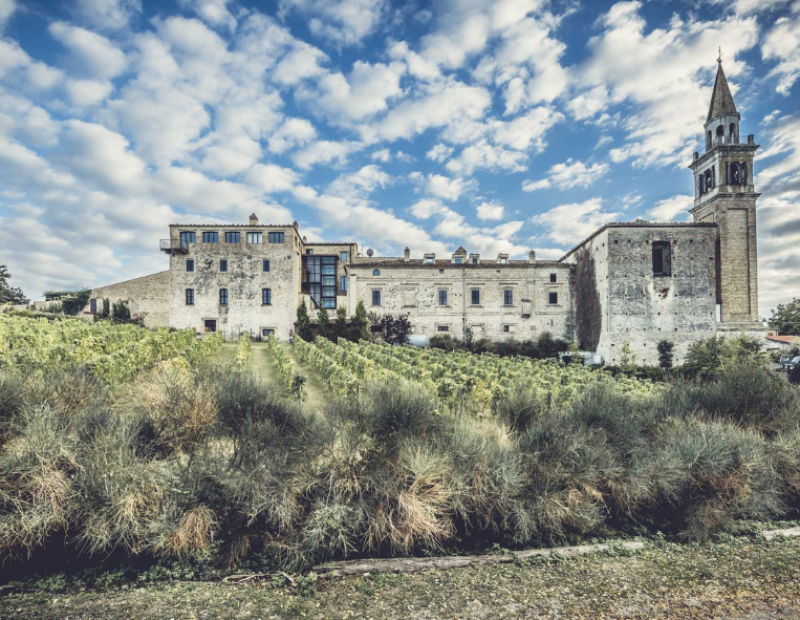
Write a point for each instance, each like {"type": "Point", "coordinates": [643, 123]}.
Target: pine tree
{"type": "Point", "coordinates": [303, 322]}
{"type": "Point", "coordinates": [323, 322]}
{"type": "Point", "coordinates": [360, 323]}
{"type": "Point", "coordinates": [9, 295]}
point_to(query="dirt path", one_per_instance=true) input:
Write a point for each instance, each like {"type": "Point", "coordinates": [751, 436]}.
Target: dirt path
{"type": "Point", "coordinates": [227, 352]}
{"type": "Point", "coordinates": [316, 393]}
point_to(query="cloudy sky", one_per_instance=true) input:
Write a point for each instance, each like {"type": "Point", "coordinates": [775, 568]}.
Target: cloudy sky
{"type": "Point", "coordinates": [500, 125]}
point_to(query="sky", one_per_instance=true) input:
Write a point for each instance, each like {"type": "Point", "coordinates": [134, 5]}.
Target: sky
{"type": "Point", "coordinates": [499, 125]}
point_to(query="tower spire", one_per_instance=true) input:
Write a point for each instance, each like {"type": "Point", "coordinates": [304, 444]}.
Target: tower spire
{"type": "Point", "coordinates": [721, 99]}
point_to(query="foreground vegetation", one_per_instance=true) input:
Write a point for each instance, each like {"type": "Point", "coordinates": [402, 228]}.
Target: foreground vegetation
{"type": "Point", "coordinates": [734, 579]}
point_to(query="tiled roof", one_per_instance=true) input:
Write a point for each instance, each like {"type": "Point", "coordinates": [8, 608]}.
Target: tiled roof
{"type": "Point", "coordinates": [786, 339]}
{"type": "Point", "coordinates": [721, 99]}
{"type": "Point", "coordinates": [394, 261]}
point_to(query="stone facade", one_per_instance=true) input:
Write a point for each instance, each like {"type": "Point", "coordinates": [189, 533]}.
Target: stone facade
{"type": "Point", "coordinates": [644, 301]}
{"type": "Point", "coordinates": [147, 297]}
{"type": "Point", "coordinates": [495, 298]}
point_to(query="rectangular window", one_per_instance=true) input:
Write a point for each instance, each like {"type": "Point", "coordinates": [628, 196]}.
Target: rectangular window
{"type": "Point", "coordinates": [223, 296]}
{"type": "Point", "coordinates": [93, 306]}
{"type": "Point", "coordinates": [343, 257]}
{"type": "Point", "coordinates": [429, 261]}
{"type": "Point", "coordinates": [553, 277]}
{"type": "Point", "coordinates": [508, 297]}
{"type": "Point", "coordinates": [476, 297]}
{"type": "Point", "coordinates": [457, 261]}
{"type": "Point", "coordinates": [343, 284]}
{"type": "Point", "coordinates": [275, 237]}
{"type": "Point", "coordinates": [310, 251]}
{"type": "Point", "coordinates": [233, 237]}
{"type": "Point", "coordinates": [210, 237]}
{"type": "Point", "coordinates": [474, 261]}
{"type": "Point", "coordinates": [376, 298]}
{"type": "Point", "coordinates": [223, 265]}
{"type": "Point", "coordinates": [189, 265]}
{"type": "Point", "coordinates": [319, 279]}
{"type": "Point", "coordinates": [442, 297]}
{"type": "Point", "coordinates": [265, 265]}
{"type": "Point", "coordinates": [662, 258]}
{"type": "Point", "coordinates": [504, 261]}
{"type": "Point", "coordinates": [506, 328]}
{"type": "Point", "coordinates": [442, 328]}
{"type": "Point", "coordinates": [267, 332]}
{"type": "Point", "coordinates": [266, 296]}
{"type": "Point", "coordinates": [188, 237]}
{"type": "Point", "coordinates": [189, 296]}
{"type": "Point", "coordinates": [254, 237]}
{"type": "Point", "coordinates": [553, 298]}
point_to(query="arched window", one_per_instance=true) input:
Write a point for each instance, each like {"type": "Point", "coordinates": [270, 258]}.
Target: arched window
{"type": "Point", "coordinates": [720, 134]}
{"type": "Point", "coordinates": [732, 134]}
{"type": "Point", "coordinates": [735, 174]}
{"type": "Point", "coordinates": [708, 141]}
{"type": "Point", "coordinates": [709, 182]}
{"type": "Point", "coordinates": [743, 173]}
{"type": "Point", "coordinates": [702, 184]}
{"type": "Point", "coordinates": [376, 272]}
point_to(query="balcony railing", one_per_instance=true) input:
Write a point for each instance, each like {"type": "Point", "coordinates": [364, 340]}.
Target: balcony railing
{"type": "Point", "coordinates": [173, 247]}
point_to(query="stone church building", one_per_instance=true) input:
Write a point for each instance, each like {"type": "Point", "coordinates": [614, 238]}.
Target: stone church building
{"type": "Point", "coordinates": [651, 281]}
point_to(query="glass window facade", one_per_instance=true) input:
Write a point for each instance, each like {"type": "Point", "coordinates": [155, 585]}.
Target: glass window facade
{"type": "Point", "coordinates": [321, 279]}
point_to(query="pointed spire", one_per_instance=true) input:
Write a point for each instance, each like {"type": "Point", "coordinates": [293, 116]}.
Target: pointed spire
{"type": "Point", "coordinates": [721, 99]}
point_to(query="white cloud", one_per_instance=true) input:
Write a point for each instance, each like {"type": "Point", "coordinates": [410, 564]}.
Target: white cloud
{"type": "Point", "coordinates": [213, 12]}
{"type": "Point", "coordinates": [360, 184]}
{"type": "Point", "coordinates": [444, 187]}
{"type": "Point", "coordinates": [107, 14]}
{"type": "Point", "coordinates": [384, 155]}
{"type": "Point", "coordinates": [303, 62]}
{"type": "Point", "coordinates": [670, 208]}
{"type": "Point", "coordinates": [323, 152]}
{"type": "Point", "coordinates": [490, 211]}
{"type": "Point", "coordinates": [344, 22]}
{"type": "Point", "coordinates": [782, 43]}
{"type": "Point", "coordinates": [293, 132]}
{"type": "Point", "coordinates": [485, 155]}
{"type": "Point", "coordinates": [7, 8]}
{"type": "Point", "coordinates": [88, 92]}
{"type": "Point", "coordinates": [440, 152]}
{"type": "Point", "coordinates": [569, 224]}
{"type": "Point", "coordinates": [91, 55]}
{"type": "Point", "coordinates": [270, 178]}
{"type": "Point", "coordinates": [568, 175]}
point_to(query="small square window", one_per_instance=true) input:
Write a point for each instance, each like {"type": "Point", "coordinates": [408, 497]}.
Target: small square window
{"type": "Point", "coordinates": [441, 271]}
{"type": "Point", "coordinates": [553, 298]}
{"type": "Point", "coordinates": [266, 296]}
{"type": "Point", "coordinates": [189, 265]}
{"type": "Point", "coordinates": [442, 328]}
{"type": "Point", "coordinates": [553, 277]}
{"type": "Point", "coordinates": [265, 265]}
{"type": "Point", "coordinates": [223, 265]}
{"type": "Point", "coordinates": [275, 237]}
{"type": "Point", "coordinates": [376, 298]}
{"type": "Point", "coordinates": [223, 296]}
{"type": "Point", "coordinates": [189, 296]}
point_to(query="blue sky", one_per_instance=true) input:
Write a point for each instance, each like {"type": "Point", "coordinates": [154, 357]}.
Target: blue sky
{"type": "Point", "coordinates": [502, 126]}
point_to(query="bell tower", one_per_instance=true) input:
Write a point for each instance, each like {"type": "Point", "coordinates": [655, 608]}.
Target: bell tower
{"type": "Point", "coordinates": [724, 193]}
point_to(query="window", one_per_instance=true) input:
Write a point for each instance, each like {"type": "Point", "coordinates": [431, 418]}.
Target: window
{"type": "Point", "coordinates": [267, 332]}
{"type": "Point", "coordinates": [429, 260]}
{"type": "Point", "coordinates": [266, 296]}
{"type": "Point", "coordinates": [376, 297]}
{"type": "Point", "coordinates": [442, 328]}
{"type": "Point", "coordinates": [343, 284]}
{"type": "Point", "coordinates": [265, 265]}
{"type": "Point", "coordinates": [223, 265]}
{"type": "Point", "coordinates": [553, 299]}
{"type": "Point", "coordinates": [320, 280]}
{"type": "Point", "coordinates": [275, 237]}
{"type": "Point", "coordinates": [93, 306]}
{"type": "Point", "coordinates": [210, 237]}
{"type": "Point", "coordinates": [508, 297]}
{"type": "Point", "coordinates": [189, 296]}
{"type": "Point", "coordinates": [442, 297]}
{"type": "Point", "coordinates": [223, 296]}
{"type": "Point", "coordinates": [254, 237]}
{"type": "Point", "coordinates": [376, 272]}
{"type": "Point", "coordinates": [343, 257]}
{"type": "Point", "coordinates": [187, 238]}
{"type": "Point", "coordinates": [553, 277]}
{"type": "Point", "coordinates": [504, 261]}
{"type": "Point", "coordinates": [457, 260]}
{"type": "Point", "coordinates": [474, 261]}
{"type": "Point", "coordinates": [476, 297]}
{"type": "Point", "coordinates": [189, 265]}
{"type": "Point", "coordinates": [661, 258]}
{"type": "Point", "coordinates": [441, 271]}
{"type": "Point", "coordinates": [233, 237]}
{"type": "Point", "coordinates": [506, 328]}
{"type": "Point", "coordinates": [309, 251]}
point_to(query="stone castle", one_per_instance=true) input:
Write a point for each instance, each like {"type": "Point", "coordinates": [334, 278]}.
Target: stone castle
{"type": "Point", "coordinates": [652, 281]}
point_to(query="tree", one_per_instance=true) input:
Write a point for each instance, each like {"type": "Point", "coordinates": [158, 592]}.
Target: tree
{"type": "Point", "coordinates": [359, 324]}
{"type": "Point", "coordinates": [339, 326]}
{"type": "Point", "coordinates": [303, 322]}
{"type": "Point", "coordinates": [9, 294]}
{"type": "Point", "coordinates": [588, 316]}
{"type": "Point", "coordinates": [665, 354]}
{"type": "Point", "coordinates": [786, 318]}
{"type": "Point", "coordinates": [323, 322]}
{"type": "Point", "coordinates": [394, 330]}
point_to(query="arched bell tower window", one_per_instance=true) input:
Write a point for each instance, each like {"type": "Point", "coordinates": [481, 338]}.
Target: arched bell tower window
{"type": "Point", "coordinates": [732, 135]}
{"type": "Point", "coordinates": [720, 134]}
{"type": "Point", "coordinates": [735, 180]}
{"type": "Point", "coordinates": [708, 141]}
{"type": "Point", "coordinates": [743, 173]}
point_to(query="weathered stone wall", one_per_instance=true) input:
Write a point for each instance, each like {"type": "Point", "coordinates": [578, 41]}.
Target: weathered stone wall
{"type": "Point", "coordinates": [639, 308]}
{"type": "Point", "coordinates": [147, 297]}
{"type": "Point", "coordinates": [413, 287]}
{"type": "Point", "coordinates": [244, 282]}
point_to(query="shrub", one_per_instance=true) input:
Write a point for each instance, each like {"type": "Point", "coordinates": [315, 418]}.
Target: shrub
{"type": "Point", "coordinates": [665, 354]}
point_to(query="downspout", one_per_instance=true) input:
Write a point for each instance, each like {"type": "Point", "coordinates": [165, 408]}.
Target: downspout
{"type": "Point", "coordinates": [464, 302]}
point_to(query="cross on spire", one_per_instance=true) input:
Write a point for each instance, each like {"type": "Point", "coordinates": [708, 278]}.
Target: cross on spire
{"type": "Point", "coordinates": [719, 58]}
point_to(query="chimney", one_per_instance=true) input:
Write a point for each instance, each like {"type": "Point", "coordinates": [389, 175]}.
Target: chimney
{"type": "Point", "coordinates": [253, 220]}
{"type": "Point", "coordinates": [407, 254]}
{"type": "Point", "coordinates": [751, 139]}
{"type": "Point", "coordinates": [305, 239]}
{"type": "Point", "coordinates": [532, 256]}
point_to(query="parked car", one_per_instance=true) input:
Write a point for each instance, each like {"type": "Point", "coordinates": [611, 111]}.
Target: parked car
{"type": "Point", "coordinates": [792, 363]}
